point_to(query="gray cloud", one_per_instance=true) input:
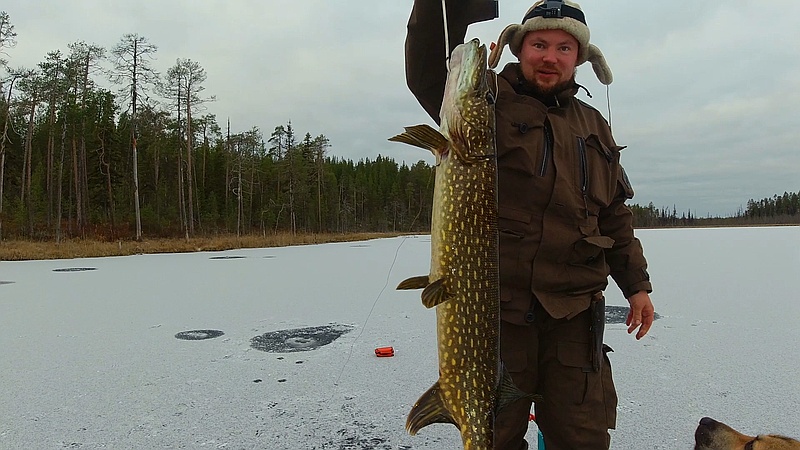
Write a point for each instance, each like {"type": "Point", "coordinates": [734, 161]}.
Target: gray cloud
{"type": "Point", "coordinates": [705, 93]}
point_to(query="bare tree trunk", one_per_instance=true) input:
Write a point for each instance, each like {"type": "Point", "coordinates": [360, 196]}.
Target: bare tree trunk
{"type": "Point", "coordinates": [189, 171]}
{"type": "Point", "coordinates": [181, 193]}
{"type": "Point", "coordinates": [157, 171]}
{"type": "Point", "coordinates": [320, 167]}
{"type": "Point", "coordinates": [51, 146]}
{"type": "Point", "coordinates": [134, 136]}
{"type": "Point", "coordinates": [82, 161]}
{"type": "Point", "coordinates": [292, 222]}
{"type": "Point", "coordinates": [60, 182]}
{"type": "Point", "coordinates": [136, 188]}
{"type": "Point", "coordinates": [239, 195]}
{"type": "Point", "coordinates": [2, 175]}
{"type": "Point", "coordinates": [110, 202]}
{"type": "Point", "coordinates": [77, 187]}
{"type": "Point", "coordinates": [26, 176]}
{"type": "Point", "coordinates": [181, 196]}
{"type": "Point", "coordinates": [84, 181]}
{"type": "Point", "coordinates": [3, 139]}
{"type": "Point", "coordinates": [252, 192]}
{"type": "Point", "coordinates": [227, 168]}
{"type": "Point", "coordinates": [109, 191]}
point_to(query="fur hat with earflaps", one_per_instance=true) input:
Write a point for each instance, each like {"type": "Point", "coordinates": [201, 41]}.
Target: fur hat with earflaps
{"type": "Point", "coordinates": [554, 15]}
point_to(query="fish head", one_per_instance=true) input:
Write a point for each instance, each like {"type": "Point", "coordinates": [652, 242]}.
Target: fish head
{"type": "Point", "coordinates": [467, 114]}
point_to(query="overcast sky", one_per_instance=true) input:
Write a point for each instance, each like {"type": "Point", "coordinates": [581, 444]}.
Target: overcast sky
{"type": "Point", "coordinates": [706, 95]}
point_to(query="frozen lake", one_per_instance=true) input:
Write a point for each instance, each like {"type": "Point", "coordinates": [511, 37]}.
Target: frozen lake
{"type": "Point", "coordinates": [90, 358]}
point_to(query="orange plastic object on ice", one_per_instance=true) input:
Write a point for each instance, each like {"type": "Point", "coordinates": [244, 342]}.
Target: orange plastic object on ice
{"type": "Point", "coordinates": [384, 352]}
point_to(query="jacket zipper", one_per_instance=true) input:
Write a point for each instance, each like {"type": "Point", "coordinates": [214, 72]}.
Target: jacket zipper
{"type": "Point", "coordinates": [548, 148]}
{"type": "Point", "coordinates": [584, 173]}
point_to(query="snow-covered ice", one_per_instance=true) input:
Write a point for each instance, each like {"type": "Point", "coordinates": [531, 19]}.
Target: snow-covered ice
{"type": "Point", "coordinates": [90, 359]}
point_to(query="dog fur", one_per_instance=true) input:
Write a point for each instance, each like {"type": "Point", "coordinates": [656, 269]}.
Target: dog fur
{"type": "Point", "coordinates": [713, 435]}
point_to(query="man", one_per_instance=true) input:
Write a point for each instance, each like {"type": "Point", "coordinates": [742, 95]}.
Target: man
{"type": "Point", "coordinates": [564, 226]}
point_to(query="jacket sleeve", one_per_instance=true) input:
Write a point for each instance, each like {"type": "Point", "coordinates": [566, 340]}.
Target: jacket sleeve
{"type": "Point", "coordinates": [626, 258]}
{"type": "Point", "coordinates": [426, 72]}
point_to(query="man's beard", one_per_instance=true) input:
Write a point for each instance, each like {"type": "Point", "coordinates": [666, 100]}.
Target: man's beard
{"type": "Point", "coordinates": [553, 90]}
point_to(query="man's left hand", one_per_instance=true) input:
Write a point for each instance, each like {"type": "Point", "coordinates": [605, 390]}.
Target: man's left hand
{"type": "Point", "coordinates": [641, 314]}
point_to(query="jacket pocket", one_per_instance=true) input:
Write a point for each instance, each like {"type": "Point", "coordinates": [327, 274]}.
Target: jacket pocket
{"type": "Point", "coordinates": [587, 250]}
{"type": "Point", "coordinates": [587, 394]}
{"type": "Point", "coordinates": [575, 355]}
{"type": "Point", "coordinates": [610, 399]}
{"type": "Point", "coordinates": [599, 172]}
{"type": "Point", "coordinates": [586, 265]}
{"type": "Point", "coordinates": [520, 133]}
{"type": "Point", "coordinates": [515, 271]}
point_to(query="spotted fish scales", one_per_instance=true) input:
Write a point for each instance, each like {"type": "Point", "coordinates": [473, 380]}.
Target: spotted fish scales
{"type": "Point", "coordinates": [463, 283]}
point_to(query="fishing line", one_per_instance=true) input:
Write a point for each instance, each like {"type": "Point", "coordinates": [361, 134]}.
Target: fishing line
{"type": "Point", "coordinates": [419, 211]}
{"type": "Point", "coordinates": [446, 37]}
{"type": "Point", "coordinates": [608, 104]}
{"type": "Point", "coordinates": [364, 326]}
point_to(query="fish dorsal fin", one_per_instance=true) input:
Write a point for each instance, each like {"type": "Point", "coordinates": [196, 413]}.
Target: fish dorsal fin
{"type": "Point", "coordinates": [419, 282]}
{"type": "Point", "coordinates": [428, 409]}
{"type": "Point", "coordinates": [508, 392]}
{"type": "Point", "coordinates": [435, 294]}
{"type": "Point", "coordinates": [423, 136]}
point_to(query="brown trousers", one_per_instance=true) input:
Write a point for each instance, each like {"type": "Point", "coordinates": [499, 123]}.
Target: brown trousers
{"type": "Point", "coordinates": [551, 357]}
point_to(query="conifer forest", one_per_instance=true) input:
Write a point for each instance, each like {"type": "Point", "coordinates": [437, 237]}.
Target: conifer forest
{"type": "Point", "coordinates": [140, 158]}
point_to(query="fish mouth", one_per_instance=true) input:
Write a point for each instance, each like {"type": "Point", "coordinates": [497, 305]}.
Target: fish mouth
{"type": "Point", "coordinates": [469, 60]}
{"type": "Point", "coordinates": [466, 113]}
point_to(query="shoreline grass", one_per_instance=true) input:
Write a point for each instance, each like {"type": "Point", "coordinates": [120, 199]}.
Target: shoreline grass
{"type": "Point", "coordinates": [22, 250]}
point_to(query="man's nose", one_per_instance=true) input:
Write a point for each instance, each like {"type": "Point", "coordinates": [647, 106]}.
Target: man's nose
{"type": "Point", "coordinates": [550, 55]}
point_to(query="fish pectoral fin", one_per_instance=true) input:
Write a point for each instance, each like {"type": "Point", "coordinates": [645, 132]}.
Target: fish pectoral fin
{"type": "Point", "coordinates": [419, 282]}
{"type": "Point", "coordinates": [435, 294]}
{"type": "Point", "coordinates": [508, 392]}
{"type": "Point", "coordinates": [428, 409]}
{"type": "Point", "coordinates": [423, 136]}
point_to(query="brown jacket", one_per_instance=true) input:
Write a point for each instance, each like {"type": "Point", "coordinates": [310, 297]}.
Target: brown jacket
{"type": "Point", "coordinates": [564, 226]}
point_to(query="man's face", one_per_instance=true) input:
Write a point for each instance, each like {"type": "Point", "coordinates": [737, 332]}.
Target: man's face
{"type": "Point", "coordinates": [548, 58]}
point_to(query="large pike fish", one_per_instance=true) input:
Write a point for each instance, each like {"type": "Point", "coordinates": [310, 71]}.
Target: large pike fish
{"type": "Point", "coordinates": [463, 280]}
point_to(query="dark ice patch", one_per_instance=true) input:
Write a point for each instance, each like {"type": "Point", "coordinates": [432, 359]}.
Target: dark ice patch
{"type": "Point", "coordinates": [357, 434]}
{"type": "Point", "coordinates": [198, 335]}
{"type": "Point", "coordinates": [361, 443]}
{"type": "Point", "coordinates": [618, 314]}
{"type": "Point", "coordinates": [75, 269]}
{"type": "Point", "coordinates": [6, 282]}
{"type": "Point", "coordinates": [298, 339]}
{"type": "Point", "coordinates": [228, 257]}
{"type": "Point", "coordinates": [360, 246]}
{"type": "Point", "coordinates": [269, 257]}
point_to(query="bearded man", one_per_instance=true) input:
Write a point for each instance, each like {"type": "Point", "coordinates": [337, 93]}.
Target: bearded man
{"type": "Point", "coordinates": [564, 226]}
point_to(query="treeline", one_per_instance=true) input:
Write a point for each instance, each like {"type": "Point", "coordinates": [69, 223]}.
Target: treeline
{"type": "Point", "coordinates": [78, 160]}
{"type": "Point", "coordinates": [778, 210]}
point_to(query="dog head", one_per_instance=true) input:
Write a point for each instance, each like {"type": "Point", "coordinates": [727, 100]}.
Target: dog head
{"type": "Point", "coordinates": [713, 435]}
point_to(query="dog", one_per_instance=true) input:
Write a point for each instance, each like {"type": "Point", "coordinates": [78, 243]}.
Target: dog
{"type": "Point", "coordinates": [713, 435]}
